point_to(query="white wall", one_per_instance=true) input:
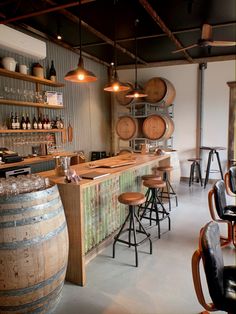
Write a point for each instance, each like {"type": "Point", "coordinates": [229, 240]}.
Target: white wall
{"type": "Point", "coordinates": [215, 109]}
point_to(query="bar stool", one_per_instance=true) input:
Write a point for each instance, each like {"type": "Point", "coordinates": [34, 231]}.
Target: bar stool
{"type": "Point", "coordinates": [154, 204]}
{"type": "Point", "coordinates": [169, 193]}
{"type": "Point", "coordinates": [195, 167]}
{"type": "Point", "coordinates": [148, 177]}
{"type": "Point", "coordinates": [212, 151]}
{"type": "Point", "coordinates": [132, 199]}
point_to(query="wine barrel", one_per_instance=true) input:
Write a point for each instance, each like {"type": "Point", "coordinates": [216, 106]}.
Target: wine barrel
{"type": "Point", "coordinates": [128, 128]}
{"type": "Point", "coordinates": [158, 127]}
{"type": "Point", "coordinates": [121, 96]}
{"type": "Point", "coordinates": [160, 91]}
{"type": "Point", "coordinates": [33, 250]}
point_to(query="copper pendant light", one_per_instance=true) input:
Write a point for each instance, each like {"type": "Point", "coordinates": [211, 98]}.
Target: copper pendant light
{"type": "Point", "coordinates": [80, 74]}
{"type": "Point", "coordinates": [136, 92]}
{"type": "Point", "coordinates": [115, 85]}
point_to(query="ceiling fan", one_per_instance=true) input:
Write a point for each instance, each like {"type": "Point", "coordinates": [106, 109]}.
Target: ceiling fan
{"type": "Point", "coordinates": [206, 40]}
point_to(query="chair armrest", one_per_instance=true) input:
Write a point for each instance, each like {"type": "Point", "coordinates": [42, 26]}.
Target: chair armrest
{"type": "Point", "coordinates": [223, 240]}
{"type": "Point", "coordinates": [227, 185]}
{"type": "Point", "coordinates": [196, 258]}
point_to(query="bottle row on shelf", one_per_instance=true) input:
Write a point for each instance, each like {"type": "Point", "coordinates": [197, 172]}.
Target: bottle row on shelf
{"type": "Point", "coordinates": [39, 123]}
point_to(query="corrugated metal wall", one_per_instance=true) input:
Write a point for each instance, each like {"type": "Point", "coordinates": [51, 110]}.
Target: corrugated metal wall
{"type": "Point", "coordinates": [86, 106]}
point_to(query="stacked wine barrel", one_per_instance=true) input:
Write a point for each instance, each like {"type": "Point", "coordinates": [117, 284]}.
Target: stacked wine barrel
{"type": "Point", "coordinates": [156, 126]}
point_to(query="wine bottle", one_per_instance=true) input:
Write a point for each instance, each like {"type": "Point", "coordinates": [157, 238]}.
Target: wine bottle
{"type": "Point", "coordinates": [12, 122]}
{"type": "Point", "coordinates": [40, 126]}
{"type": "Point", "coordinates": [17, 122]}
{"type": "Point", "coordinates": [23, 123]}
{"type": "Point", "coordinates": [27, 121]}
{"type": "Point", "coordinates": [35, 123]}
{"type": "Point", "coordinates": [58, 124]}
{"type": "Point", "coordinates": [52, 72]}
{"type": "Point", "coordinates": [44, 123]}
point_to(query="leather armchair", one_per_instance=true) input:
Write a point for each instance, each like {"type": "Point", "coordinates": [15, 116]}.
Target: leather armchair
{"type": "Point", "coordinates": [221, 280]}
{"type": "Point", "coordinates": [230, 181]}
{"type": "Point", "coordinates": [221, 212]}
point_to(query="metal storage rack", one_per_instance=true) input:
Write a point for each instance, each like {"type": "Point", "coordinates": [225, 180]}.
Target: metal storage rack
{"type": "Point", "coordinates": [143, 110]}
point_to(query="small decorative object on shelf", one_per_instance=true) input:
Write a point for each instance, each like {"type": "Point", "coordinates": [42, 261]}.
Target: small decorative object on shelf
{"type": "Point", "coordinates": [38, 70]}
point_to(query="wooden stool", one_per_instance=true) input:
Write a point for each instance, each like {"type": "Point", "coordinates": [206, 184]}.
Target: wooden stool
{"type": "Point", "coordinates": [132, 199]}
{"type": "Point", "coordinates": [169, 189]}
{"type": "Point", "coordinates": [154, 204]}
{"type": "Point", "coordinates": [195, 167]}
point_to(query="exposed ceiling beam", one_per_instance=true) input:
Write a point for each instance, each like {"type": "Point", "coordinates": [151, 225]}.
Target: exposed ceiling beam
{"type": "Point", "coordinates": [163, 26]}
{"type": "Point", "coordinates": [37, 13]}
{"type": "Point", "coordinates": [180, 62]}
{"type": "Point", "coordinates": [103, 37]}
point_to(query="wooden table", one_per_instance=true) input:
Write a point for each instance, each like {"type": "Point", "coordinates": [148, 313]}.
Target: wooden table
{"type": "Point", "coordinates": [92, 210]}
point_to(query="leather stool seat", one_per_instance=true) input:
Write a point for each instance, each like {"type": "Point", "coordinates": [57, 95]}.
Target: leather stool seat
{"type": "Point", "coordinates": [151, 176]}
{"type": "Point", "coordinates": [169, 192]}
{"type": "Point", "coordinates": [132, 199]}
{"type": "Point", "coordinates": [164, 168]}
{"type": "Point", "coordinates": [156, 184]}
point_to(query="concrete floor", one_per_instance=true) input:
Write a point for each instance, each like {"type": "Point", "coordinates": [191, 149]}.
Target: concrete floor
{"type": "Point", "coordinates": [162, 284]}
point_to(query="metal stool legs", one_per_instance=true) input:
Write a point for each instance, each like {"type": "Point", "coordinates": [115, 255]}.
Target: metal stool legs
{"type": "Point", "coordinates": [213, 151]}
{"type": "Point", "coordinates": [169, 190]}
{"type": "Point", "coordinates": [195, 165]}
{"type": "Point", "coordinates": [154, 201]}
{"type": "Point", "coordinates": [132, 217]}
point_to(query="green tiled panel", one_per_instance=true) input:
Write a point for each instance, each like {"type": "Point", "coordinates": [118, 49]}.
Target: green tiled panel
{"type": "Point", "coordinates": [103, 214]}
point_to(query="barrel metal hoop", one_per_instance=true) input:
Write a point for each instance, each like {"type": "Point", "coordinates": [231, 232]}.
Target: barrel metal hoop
{"type": "Point", "coordinates": [22, 209]}
{"type": "Point", "coordinates": [25, 307]}
{"type": "Point", "coordinates": [22, 291]}
{"type": "Point", "coordinates": [31, 220]}
{"type": "Point", "coordinates": [20, 198]}
{"type": "Point", "coordinates": [35, 241]}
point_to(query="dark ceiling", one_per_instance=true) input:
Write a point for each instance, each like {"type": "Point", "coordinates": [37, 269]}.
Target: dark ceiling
{"type": "Point", "coordinates": [164, 26]}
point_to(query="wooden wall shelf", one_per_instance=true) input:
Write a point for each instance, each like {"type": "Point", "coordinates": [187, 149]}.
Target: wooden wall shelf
{"type": "Point", "coordinates": [28, 104]}
{"type": "Point", "coordinates": [29, 78]}
{"type": "Point", "coordinates": [32, 131]}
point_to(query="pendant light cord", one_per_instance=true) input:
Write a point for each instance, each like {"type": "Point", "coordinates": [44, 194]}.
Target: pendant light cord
{"type": "Point", "coordinates": [115, 52]}
{"type": "Point", "coordinates": [136, 53]}
{"type": "Point", "coordinates": [80, 27]}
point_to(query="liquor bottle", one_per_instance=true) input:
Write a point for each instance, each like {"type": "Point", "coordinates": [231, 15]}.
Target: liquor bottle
{"type": "Point", "coordinates": [52, 72]}
{"type": "Point", "coordinates": [12, 122]}
{"type": "Point", "coordinates": [27, 121]}
{"type": "Point", "coordinates": [23, 123]}
{"type": "Point", "coordinates": [17, 122]}
{"type": "Point", "coordinates": [40, 125]}
{"type": "Point", "coordinates": [35, 123]}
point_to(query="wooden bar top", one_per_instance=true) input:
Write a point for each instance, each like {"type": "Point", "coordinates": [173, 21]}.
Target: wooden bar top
{"type": "Point", "coordinates": [111, 166]}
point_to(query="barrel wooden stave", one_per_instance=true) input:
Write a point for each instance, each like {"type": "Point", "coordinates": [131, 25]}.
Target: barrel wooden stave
{"type": "Point", "coordinates": [33, 250]}
{"type": "Point", "coordinates": [121, 96]}
{"type": "Point", "coordinates": [160, 90]}
{"type": "Point", "coordinates": [128, 127]}
{"type": "Point", "coordinates": [158, 127]}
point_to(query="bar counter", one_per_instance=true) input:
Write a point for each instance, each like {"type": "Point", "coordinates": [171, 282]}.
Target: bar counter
{"type": "Point", "coordinates": [92, 210]}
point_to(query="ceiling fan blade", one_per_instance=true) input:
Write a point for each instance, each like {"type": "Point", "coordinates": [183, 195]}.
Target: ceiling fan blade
{"type": "Point", "coordinates": [185, 48]}
{"type": "Point", "coordinates": [206, 32]}
{"type": "Point", "coordinates": [218, 43]}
